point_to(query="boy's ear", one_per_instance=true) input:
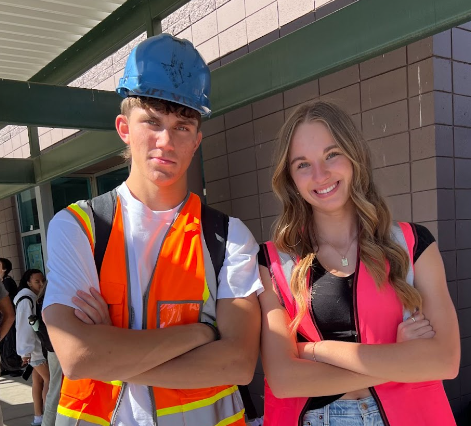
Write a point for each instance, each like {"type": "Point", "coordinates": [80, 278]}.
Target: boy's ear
{"type": "Point", "coordinates": [122, 127]}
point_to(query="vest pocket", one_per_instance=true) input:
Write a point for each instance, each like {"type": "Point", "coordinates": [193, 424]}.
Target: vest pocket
{"type": "Point", "coordinates": [78, 389]}
{"type": "Point", "coordinates": [178, 312]}
{"type": "Point", "coordinates": [113, 293]}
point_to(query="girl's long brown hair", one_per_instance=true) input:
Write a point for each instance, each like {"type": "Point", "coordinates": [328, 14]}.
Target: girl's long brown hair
{"type": "Point", "coordinates": [294, 230]}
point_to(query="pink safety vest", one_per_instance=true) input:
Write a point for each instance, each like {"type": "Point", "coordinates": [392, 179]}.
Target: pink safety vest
{"type": "Point", "coordinates": [377, 315]}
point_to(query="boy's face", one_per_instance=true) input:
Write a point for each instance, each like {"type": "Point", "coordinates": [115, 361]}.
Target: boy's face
{"type": "Point", "coordinates": [162, 146]}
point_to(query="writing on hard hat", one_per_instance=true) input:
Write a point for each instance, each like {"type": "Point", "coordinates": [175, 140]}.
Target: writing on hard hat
{"type": "Point", "coordinates": [169, 68]}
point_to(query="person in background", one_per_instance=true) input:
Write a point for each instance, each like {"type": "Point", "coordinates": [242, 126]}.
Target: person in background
{"type": "Point", "coordinates": [345, 339]}
{"type": "Point", "coordinates": [12, 289]}
{"type": "Point", "coordinates": [7, 280]}
{"type": "Point", "coordinates": [7, 318]}
{"type": "Point", "coordinates": [28, 345]}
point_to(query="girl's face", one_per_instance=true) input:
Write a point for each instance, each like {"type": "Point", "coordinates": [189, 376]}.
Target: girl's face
{"type": "Point", "coordinates": [319, 169]}
{"type": "Point", "coordinates": [37, 282]}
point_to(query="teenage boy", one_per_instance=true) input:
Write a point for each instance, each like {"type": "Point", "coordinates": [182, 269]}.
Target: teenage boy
{"type": "Point", "coordinates": [163, 360]}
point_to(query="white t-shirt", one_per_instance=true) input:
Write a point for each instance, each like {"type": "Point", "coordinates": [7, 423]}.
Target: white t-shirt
{"type": "Point", "coordinates": [72, 267]}
{"type": "Point", "coordinates": [27, 341]}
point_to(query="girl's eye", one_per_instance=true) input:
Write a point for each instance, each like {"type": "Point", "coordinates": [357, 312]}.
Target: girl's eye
{"type": "Point", "coordinates": [332, 154]}
{"type": "Point", "coordinates": [302, 165]}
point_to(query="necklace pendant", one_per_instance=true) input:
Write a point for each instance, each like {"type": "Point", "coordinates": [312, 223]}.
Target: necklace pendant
{"type": "Point", "coordinates": [344, 261]}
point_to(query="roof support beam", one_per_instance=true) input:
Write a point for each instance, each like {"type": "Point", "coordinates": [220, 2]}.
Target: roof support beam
{"type": "Point", "coordinates": [121, 26]}
{"type": "Point", "coordinates": [44, 105]}
{"type": "Point", "coordinates": [358, 32]}
{"type": "Point", "coordinates": [82, 151]}
{"type": "Point", "coordinates": [285, 63]}
{"type": "Point", "coordinates": [17, 171]}
{"type": "Point", "coordinates": [87, 148]}
{"type": "Point", "coordinates": [9, 190]}
{"type": "Point", "coordinates": [33, 137]}
{"type": "Point", "coordinates": [292, 60]}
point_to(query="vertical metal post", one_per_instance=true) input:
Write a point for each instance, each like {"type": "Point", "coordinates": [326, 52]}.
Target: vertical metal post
{"type": "Point", "coordinates": [45, 208]}
{"type": "Point", "coordinates": [149, 21]}
{"type": "Point", "coordinates": [33, 138]}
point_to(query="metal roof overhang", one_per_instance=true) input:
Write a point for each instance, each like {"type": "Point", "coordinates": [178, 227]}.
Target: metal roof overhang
{"type": "Point", "coordinates": [325, 46]}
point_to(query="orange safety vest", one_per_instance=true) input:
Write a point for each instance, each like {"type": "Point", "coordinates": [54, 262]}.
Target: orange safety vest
{"type": "Point", "coordinates": [181, 261]}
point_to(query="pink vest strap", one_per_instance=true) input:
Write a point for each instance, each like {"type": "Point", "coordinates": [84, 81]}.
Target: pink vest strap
{"type": "Point", "coordinates": [282, 268]}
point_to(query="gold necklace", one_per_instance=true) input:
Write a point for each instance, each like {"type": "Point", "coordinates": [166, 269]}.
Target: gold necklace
{"type": "Point", "coordinates": [343, 256]}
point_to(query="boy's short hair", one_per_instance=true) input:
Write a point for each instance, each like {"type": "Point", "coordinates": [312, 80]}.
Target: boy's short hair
{"type": "Point", "coordinates": [160, 105]}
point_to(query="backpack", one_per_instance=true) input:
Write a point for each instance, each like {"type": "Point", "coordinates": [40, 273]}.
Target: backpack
{"type": "Point", "coordinates": [39, 326]}
{"type": "Point", "coordinates": [215, 229]}
{"type": "Point", "coordinates": [10, 360]}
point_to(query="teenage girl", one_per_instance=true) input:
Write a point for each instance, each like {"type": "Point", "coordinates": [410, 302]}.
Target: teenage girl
{"type": "Point", "coordinates": [28, 345]}
{"type": "Point", "coordinates": [346, 337]}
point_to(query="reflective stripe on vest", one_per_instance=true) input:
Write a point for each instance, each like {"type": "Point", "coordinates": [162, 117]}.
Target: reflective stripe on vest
{"type": "Point", "coordinates": [66, 417]}
{"type": "Point", "coordinates": [205, 412]}
{"type": "Point", "coordinates": [185, 261]}
{"type": "Point", "coordinates": [379, 312]}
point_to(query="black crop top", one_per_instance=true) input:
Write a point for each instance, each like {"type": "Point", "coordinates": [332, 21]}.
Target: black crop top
{"type": "Point", "coordinates": [332, 301]}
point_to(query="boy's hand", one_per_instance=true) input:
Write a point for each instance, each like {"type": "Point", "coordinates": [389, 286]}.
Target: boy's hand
{"type": "Point", "coordinates": [93, 309]}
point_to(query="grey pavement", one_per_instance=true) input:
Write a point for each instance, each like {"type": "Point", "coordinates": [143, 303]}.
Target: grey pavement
{"type": "Point", "coordinates": [16, 401]}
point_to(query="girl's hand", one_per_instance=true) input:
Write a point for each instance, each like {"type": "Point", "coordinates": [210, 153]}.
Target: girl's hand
{"type": "Point", "coordinates": [414, 327]}
{"type": "Point", "coordinates": [25, 360]}
{"type": "Point", "coordinates": [93, 308]}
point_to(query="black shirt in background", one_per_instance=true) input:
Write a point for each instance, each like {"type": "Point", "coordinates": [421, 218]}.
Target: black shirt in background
{"type": "Point", "coordinates": [11, 287]}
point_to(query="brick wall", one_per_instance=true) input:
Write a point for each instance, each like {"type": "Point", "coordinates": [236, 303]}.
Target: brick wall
{"type": "Point", "coordinates": [411, 104]}
{"type": "Point", "coordinates": [223, 30]}
{"type": "Point", "coordinates": [10, 245]}
{"type": "Point", "coordinates": [455, 216]}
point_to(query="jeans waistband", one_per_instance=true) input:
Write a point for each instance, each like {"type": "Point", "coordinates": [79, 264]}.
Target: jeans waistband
{"type": "Point", "coordinates": [350, 406]}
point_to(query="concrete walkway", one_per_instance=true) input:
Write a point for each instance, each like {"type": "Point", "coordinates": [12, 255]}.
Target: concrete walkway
{"type": "Point", "coordinates": [16, 401]}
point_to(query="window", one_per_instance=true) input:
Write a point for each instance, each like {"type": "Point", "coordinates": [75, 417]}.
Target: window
{"type": "Point", "coordinates": [28, 210]}
{"type": "Point", "coordinates": [33, 252]}
{"type": "Point", "coordinates": [111, 180]}
{"type": "Point", "coordinates": [68, 190]}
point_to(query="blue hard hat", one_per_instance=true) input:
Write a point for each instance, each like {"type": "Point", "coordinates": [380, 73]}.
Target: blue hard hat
{"type": "Point", "coordinates": [169, 68]}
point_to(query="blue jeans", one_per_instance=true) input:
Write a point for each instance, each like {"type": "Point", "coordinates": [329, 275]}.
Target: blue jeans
{"type": "Point", "coordinates": [344, 412]}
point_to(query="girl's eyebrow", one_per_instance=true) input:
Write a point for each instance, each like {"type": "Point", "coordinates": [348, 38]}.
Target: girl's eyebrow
{"type": "Point", "coordinates": [297, 159]}
{"type": "Point", "coordinates": [329, 148]}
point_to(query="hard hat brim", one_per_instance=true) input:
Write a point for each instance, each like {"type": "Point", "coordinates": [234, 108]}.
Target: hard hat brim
{"type": "Point", "coordinates": [165, 95]}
